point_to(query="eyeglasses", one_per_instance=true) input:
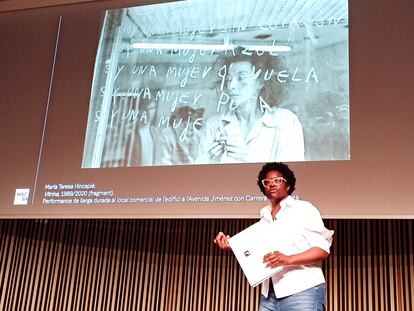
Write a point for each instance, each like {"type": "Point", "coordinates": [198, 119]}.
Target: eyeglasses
{"type": "Point", "coordinates": [267, 183]}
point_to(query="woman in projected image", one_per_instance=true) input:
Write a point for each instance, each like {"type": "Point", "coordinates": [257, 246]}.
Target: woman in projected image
{"type": "Point", "coordinates": [304, 242]}
{"type": "Point", "coordinates": [178, 143]}
{"type": "Point", "coordinates": [144, 145]}
{"type": "Point", "coordinates": [251, 128]}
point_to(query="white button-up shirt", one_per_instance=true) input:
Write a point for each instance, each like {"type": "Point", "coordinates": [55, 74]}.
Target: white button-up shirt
{"type": "Point", "coordinates": [301, 227]}
{"type": "Point", "coordinates": [276, 136]}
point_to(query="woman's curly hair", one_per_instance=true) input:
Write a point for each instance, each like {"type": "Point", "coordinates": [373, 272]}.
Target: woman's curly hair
{"type": "Point", "coordinates": [273, 91]}
{"type": "Point", "coordinates": [281, 168]}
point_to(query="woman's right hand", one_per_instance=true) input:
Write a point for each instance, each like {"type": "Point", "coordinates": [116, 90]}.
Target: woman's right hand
{"type": "Point", "coordinates": [222, 241]}
{"type": "Point", "coordinates": [236, 148]}
{"type": "Point", "coordinates": [231, 146]}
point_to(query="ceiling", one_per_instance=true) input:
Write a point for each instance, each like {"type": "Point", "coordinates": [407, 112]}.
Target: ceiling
{"type": "Point", "coordinates": [211, 20]}
{"type": "Point", "coordinates": [293, 23]}
{"type": "Point", "coordinates": [229, 14]}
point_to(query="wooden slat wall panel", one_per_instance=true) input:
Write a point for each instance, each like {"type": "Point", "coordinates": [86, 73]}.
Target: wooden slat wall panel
{"type": "Point", "coordinates": [173, 265]}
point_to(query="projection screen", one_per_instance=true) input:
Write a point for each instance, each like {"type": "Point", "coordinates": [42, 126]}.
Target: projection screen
{"type": "Point", "coordinates": [158, 110]}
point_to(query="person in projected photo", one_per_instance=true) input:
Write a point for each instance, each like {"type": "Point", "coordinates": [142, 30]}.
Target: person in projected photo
{"type": "Point", "coordinates": [178, 143]}
{"type": "Point", "coordinates": [144, 144]}
{"type": "Point", "coordinates": [250, 126]}
{"type": "Point", "coordinates": [300, 285]}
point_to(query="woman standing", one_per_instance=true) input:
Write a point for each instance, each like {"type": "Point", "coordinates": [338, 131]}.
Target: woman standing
{"type": "Point", "coordinates": [300, 285]}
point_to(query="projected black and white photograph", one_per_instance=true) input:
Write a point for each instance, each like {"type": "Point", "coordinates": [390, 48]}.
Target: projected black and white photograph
{"type": "Point", "coordinates": [220, 81]}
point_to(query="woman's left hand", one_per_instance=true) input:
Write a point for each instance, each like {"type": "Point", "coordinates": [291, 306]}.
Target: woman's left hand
{"type": "Point", "coordinates": [275, 259]}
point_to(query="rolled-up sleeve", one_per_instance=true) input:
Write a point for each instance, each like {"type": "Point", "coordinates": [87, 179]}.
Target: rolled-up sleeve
{"type": "Point", "coordinates": [315, 231]}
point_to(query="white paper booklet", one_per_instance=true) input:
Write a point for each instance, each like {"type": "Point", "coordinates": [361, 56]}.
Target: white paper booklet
{"type": "Point", "coordinates": [249, 246]}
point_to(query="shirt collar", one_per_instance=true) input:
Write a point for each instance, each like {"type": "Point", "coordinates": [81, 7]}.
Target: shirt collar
{"type": "Point", "coordinates": [285, 203]}
{"type": "Point", "coordinates": [267, 118]}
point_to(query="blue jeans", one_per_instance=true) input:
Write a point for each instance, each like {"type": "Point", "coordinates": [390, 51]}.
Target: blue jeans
{"type": "Point", "coordinates": [312, 299]}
